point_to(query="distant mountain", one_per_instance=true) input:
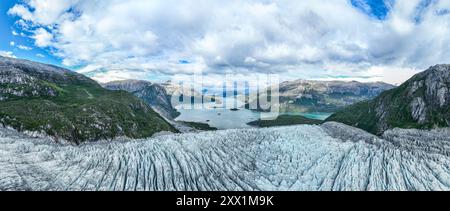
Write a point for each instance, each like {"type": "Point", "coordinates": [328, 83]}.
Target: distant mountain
{"type": "Point", "coordinates": [153, 94]}
{"type": "Point", "coordinates": [325, 96]}
{"type": "Point", "coordinates": [173, 88]}
{"type": "Point", "coordinates": [64, 104]}
{"type": "Point", "coordinates": [127, 85]}
{"type": "Point", "coordinates": [285, 120]}
{"type": "Point", "coordinates": [422, 102]}
{"type": "Point", "coordinates": [159, 96]}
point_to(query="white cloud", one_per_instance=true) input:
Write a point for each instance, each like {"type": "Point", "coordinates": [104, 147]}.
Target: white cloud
{"type": "Point", "coordinates": [42, 37]}
{"type": "Point", "coordinates": [15, 33]}
{"type": "Point", "coordinates": [40, 55]}
{"type": "Point", "coordinates": [22, 11]}
{"type": "Point", "coordinates": [25, 48]}
{"type": "Point", "coordinates": [89, 68]}
{"type": "Point", "coordinates": [8, 54]}
{"type": "Point", "coordinates": [118, 75]}
{"type": "Point", "coordinates": [12, 43]}
{"type": "Point", "coordinates": [302, 39]}
{"type": "Point", "coordinates": [43, 12]}
{"type": "Point", "coordinates": [393, 75]}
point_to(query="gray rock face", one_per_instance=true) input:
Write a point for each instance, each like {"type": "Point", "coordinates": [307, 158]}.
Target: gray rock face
{"type": "Point", "coordinates": [382, 115]}
{"type": "Point", "coordinates": [437, 82]}
{"type": "Point", "coordinates": [127, 85]}
{"type": "Point", "coordinates": [418, 109]}
{"type": "Point", "coordinates": [23, 78]}
{"type": "Point", "coordinates": [15, 82]}
{"type": "Point", "coordinates": [432, 86]}
{"type": "Point", "coordinates": [153, 94]}
{"type": "Point", "coordinates": [158, 98]}
{"type": "Point", "coordinates": [421, 102]}
{"type": "Point", "coordinates": [429, 94]}
{"type": "Point", "coordinates": [40, 71]}
{"type": "Point", "coordinates": [415, 86]}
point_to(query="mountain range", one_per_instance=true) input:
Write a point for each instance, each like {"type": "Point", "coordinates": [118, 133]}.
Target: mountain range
{"type": "Point", "coordinates": [325, 96]}
{"type": "Point", "coordinates": [64, 105]}
{"type": "Point", "coordinates": [46, 99]}
{"type": "Point", "coordinates": [422, 102]}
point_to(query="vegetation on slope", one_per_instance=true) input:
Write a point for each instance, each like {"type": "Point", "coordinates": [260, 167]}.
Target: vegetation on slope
{"type": "Point", "coordinates": [422, 102]}
{"type": "Point", "coordinates": [284, 120]}
{"type": "Point", "coordinates": [77, 108]}
{"type": "Point", "coordinates": [200, 126]}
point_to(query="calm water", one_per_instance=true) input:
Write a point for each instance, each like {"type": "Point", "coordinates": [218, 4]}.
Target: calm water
{"type": "Point", "coordinates": [314, 115]}
{"type": "Point", "coordinates": [219, 118]}
{"type": "Point", "coordinates": [227, 119]}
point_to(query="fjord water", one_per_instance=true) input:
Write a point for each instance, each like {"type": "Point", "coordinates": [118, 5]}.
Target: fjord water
{"type": "Point", "coordinates": [219, 118]}
{"type": "Point", "coordinates": [310, 115]}
{"type": "Point", "coordinates": [224, 118]}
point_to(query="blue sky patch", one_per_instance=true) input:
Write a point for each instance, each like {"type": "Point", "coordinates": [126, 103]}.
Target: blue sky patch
{"type": "Point", "coordinates": [375, 8]}
{"type": "Point", "coordinates": [421, 9]}
{"type": "Point", "coordinates": [20, 43]}
{"type": "Point", "coordinates": [184, 62]}
{"type": "Point", "coordinates": [127, 41]}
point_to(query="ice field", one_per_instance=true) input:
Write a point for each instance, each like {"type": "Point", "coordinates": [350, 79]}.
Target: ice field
{"type": "Point", "coordinates": [328, 157]}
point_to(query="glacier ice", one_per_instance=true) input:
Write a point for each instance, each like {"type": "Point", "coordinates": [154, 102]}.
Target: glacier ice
{"type": "Point", "coordinates": [328, 157]}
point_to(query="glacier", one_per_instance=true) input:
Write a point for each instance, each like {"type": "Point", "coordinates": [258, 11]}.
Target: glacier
{"type": "Point", "coordinates": [328, 157]}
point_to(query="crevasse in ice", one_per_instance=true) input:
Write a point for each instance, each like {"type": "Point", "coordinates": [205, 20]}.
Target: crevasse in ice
{"type": "Point", "coordinates": [328, 157]}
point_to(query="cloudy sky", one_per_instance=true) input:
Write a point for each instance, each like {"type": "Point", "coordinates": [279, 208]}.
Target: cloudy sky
{"type": "Point", "coordinates": [365, 40]}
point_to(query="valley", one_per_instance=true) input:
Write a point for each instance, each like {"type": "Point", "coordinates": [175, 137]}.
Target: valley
{"type": "Point", "coordinates": [63, 131]}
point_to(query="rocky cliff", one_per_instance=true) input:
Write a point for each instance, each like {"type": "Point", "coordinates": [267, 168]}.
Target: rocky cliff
{"type": "Point", "coordinates": [153, 94]}
{"type": "Point", "coordinates": [421, 102]}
